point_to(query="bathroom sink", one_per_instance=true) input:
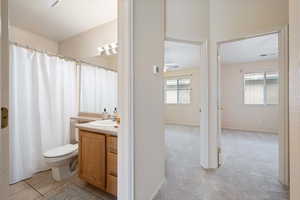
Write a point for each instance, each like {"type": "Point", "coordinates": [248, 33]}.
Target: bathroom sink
{"type": "Point", "coordinates": [103, 123]}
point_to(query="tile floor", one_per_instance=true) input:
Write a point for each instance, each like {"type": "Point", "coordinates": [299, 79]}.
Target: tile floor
{"type": "Point", "coordinates": [42, 187]}
{"type": "Point", "coordinates": [249, 171]}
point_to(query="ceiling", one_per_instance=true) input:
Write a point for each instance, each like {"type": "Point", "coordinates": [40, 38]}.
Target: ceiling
{"type": "Point", "coordinates": [181, 55]}
{"type": "Point", "coordinates": [69, 18]}
{"type": "Point", "coordinates": [250, 50]}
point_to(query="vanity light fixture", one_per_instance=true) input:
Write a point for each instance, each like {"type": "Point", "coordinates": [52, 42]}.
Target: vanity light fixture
{"type": "Point", "coordinates": [114, 51]}
{"type": "Point", "coordinates": [114, 47]}
{"type": "Point", "coordinates": [108, 49]}
{"type": "Point", "coordinates": [101, 50]}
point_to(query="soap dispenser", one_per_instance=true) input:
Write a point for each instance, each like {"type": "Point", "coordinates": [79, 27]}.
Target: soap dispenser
{"type": "Point", "coordinates": [105, 114]}
{"type": "Point", "coordinates": [115, 111]}
{"type": "Point", "coordinates": [116, 116]}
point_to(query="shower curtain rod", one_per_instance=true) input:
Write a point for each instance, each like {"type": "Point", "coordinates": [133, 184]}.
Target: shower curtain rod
{"type": "Point", "coordinates": [78, 61]}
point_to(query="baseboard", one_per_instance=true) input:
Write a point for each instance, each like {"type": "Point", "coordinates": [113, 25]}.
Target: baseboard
{"type": "Point", "coordinates": [251, 130]}
{"type": "Point", "coordinates": [181, 123]}
{"type": "Point", "coordinates": [158, 188]}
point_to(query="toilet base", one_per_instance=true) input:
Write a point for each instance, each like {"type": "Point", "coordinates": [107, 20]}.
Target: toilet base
{"type": "Point", "coordinates": [61, 173]}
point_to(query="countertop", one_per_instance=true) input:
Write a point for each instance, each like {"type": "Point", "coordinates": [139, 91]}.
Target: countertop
{"type": "Point", "coordinates": [83, 118]}
{"type": "Point", "coordinates": [109, 130]}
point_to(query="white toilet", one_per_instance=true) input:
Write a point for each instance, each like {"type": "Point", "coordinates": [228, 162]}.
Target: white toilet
{"type": "Point", "coordinates": [63, 161]}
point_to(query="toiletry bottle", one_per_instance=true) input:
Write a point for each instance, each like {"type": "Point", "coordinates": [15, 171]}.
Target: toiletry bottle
{"type": "Point", "coordinates": [105, 114]}
{"type": "Point", "coordinates": [115, 114]}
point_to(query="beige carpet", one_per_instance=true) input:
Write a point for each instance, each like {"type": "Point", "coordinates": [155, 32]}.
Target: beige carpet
{"type": "Point", "coordinates": [250, 170]}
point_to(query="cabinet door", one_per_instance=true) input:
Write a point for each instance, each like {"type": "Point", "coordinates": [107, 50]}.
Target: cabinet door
{"type": "Point", "coordinates": [92, 159]}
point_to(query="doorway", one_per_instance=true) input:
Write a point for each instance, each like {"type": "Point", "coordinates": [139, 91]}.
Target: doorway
{"type": "Point", "coordinates": [242, 173]}
{"type": "Point", "coordinates": [252, 108]}
{"type": "Point", "coordinates": [184, 88]}
{"type": "Point", "coordinates": [63, 74]}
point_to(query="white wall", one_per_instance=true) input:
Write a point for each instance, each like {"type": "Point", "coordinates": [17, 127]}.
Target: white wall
{"type": "Point", "coordinates": [148, 48]}
{"type": "Point", "coordinates": [82, 46]}
{"type": "Point", "coordinates": [85, 45]}
{"type": "Point", "coordinates": [233, 19]}
{"type": "Point", "coordinates": [220, 20]}
{"type": "Point", "coordinates": [110, 62]}
{"type": "Point", "coordinates": [32, 40]}
{"type": "Point", "coordinates": [187, 20]}
{"type": "Point", "coordinates": [294, 99]}
{"type": "Point", "coordinates": [237, 115]}
{"type": "Point", "coordinates": [185, 114]}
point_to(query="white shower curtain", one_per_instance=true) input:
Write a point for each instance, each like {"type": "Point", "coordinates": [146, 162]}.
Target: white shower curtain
{"type": "Point", "coordinates": [99, 89]}
{"type": "Point", "coordinates": [43, 98]}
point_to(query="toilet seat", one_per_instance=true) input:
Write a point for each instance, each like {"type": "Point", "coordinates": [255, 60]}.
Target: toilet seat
{"type": "Point", "coordinates": [61, 151]}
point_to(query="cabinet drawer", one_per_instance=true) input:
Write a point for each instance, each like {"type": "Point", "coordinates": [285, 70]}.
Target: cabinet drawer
{"type": "Point", "coordinates": [112, 185]}
{"type": "Point", "coordinates": [112, 164]}
{"type": "Point", "coordinates": [112, 144]}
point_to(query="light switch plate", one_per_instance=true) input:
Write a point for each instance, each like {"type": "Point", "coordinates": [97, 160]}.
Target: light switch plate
{"type": "Point", "coordinates": [155, 69]}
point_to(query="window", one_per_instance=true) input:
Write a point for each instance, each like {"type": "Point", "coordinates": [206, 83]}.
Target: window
{"type": "Point", "coordinates": [178, 91]}
{"type": "Point", "coordinates": [272, 88]}
{"type": "Point", "coordinates": [261, 88]}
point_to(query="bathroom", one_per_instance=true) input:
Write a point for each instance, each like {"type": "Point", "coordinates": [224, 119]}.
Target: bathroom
{"type": "Point", "coordinates": [63, 99]}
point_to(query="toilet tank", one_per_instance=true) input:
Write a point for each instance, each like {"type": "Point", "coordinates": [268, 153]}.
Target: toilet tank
{"type": "Point", "coordinates": [74, 132]}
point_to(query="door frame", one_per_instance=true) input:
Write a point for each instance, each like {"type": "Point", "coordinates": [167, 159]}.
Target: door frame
{"type": "Point", "coordinates": [126, 136]}
{"type": "Point", "coordinates": [4, 101]}
{"type": "Point", "coordinates": [126, 142]}
{"type": "Point", "coordinates": [203, 104]}
{"type": "Point", "coordinates": [283, 98]}
{"type": "Point", "coordinates": [126, 101]}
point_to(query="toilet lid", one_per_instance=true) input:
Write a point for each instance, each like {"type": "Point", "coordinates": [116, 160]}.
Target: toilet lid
{"type": "Point", "coordinates": [61, 151]}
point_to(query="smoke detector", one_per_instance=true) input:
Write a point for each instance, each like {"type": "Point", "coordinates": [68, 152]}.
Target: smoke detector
{"type": "Point", "coordinates": [266, 55]}
{"type": "Point", "coordinates": [171, 66]}
{"type": "Point", "coordinates": [263, 55]}
{"type": "Point", "coordinates": [54, 3]}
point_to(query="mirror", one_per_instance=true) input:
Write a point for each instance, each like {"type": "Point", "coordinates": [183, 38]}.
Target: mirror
{"type": "Point", "coordinates": [99, 84]}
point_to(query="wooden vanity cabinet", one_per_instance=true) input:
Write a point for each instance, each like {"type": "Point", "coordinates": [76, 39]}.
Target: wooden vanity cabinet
{"type": "Point", "coordinates": [92, 158]}
{"type": "Point", "coordinates": [112, 165]}
{"type": "Point", "coordinates": [98, 160]}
